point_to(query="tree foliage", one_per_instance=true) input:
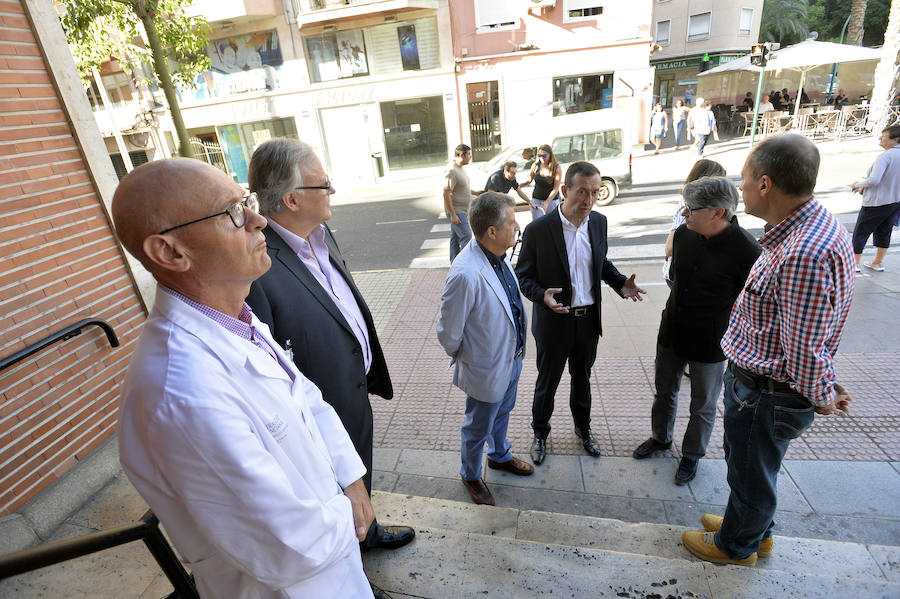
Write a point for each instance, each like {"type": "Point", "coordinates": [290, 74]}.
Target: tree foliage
{"type": "Point", "coordinates": [828, 17]}
{"type": "Point", "coordinates": [784, 21]}
{"type": "Point", "coordinates": [98, 29]}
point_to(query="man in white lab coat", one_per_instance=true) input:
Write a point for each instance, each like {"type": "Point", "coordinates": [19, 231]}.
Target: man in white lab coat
{"type": "Point", "coordinates": [249, 470]}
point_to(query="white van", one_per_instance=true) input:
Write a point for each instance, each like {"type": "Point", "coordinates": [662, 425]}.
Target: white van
{"type": "Point", "coordinates": [600, 137]}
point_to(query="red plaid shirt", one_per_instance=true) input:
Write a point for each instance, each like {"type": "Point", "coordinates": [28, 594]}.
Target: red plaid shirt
{"type": "Point", "coordinates": [787, 322]}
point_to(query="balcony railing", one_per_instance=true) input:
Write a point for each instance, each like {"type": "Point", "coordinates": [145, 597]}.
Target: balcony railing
{"type": "Point", "coordinates": [320, 11]}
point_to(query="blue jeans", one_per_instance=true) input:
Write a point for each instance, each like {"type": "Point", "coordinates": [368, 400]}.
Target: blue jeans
{"type": "Point", "coordinates": [679, 130]}
{"type": "Point", "coordinates": [701, 143]}
{"type": "Point", "coordinates": [487, 422]}
{"type": "Point", "coordinates": [537, 212]}
{"type": "Point", "coordinates": [460, 235]}
{"type": "Point", "coordinates": [759, 426]}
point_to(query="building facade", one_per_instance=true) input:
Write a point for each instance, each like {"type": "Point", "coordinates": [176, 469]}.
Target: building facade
{"type": "Point", "coordinates": [686, 32]}
{"type": "Point", "coordinates": [520, 65]}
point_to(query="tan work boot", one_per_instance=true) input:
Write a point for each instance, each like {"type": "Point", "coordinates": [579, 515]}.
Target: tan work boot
{"type": "Point", "coordinates": [712, 523]}
{"type": "Point", "coordinates": [703, 546]}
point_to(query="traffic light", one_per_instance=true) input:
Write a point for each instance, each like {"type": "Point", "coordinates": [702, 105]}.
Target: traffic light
{"type": "Point", "coordinates": [759, 55]}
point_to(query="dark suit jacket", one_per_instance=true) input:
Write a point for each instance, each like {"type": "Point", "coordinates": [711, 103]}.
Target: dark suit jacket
{"type": "Point", "coordinates": [295, 306]}
{"type": "Point", "coordinates": [544, 263]}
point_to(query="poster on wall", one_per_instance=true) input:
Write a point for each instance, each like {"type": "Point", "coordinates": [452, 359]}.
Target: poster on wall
{"type": "Point", "coordinates": [409, 47]}
{"type": "Point", "coordinates": [240, 63]}
{"type": "Point", "coordinates": [351, 53]}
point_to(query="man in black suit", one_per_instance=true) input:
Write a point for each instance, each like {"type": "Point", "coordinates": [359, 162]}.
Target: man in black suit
{"type": "Point", "coordinates": [311, 304]}
{"type": "Point", "coordinates": [562, 262]}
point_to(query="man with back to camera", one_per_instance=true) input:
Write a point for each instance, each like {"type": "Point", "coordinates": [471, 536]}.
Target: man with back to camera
{"type": "Point", "coordinates": [711, 257]}
{"type": "Point", "coordinates": [561, 264]}
{"type": "Point", "coordinates": [504, 179]}
{"type": "Point", "coordinates": [312, 305]}
{"type": "Point", "coordinates": [781, 341]}
{"type": "Point", "coordinates": [482, 328]}
{"type": "Point", "coordinates": [251, 473]}
{"type": "Point", "coordinates": [457, 197]}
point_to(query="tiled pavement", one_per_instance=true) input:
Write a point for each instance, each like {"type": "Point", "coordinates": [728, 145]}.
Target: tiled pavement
{"type": "Point", "coordinates": [426, 410]}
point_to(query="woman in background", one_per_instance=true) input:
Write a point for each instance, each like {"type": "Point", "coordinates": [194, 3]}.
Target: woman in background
{"type": "Point", "coordinates": [659, 123]}
{"type": "Point", "coordinates": [881, 200]}
{"type": "Point", "coordinates": [546, 174]}
{"type": "Point", "coordinates": [679, 117]}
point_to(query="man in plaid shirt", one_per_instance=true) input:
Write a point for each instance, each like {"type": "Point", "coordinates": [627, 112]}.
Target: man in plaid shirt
{"type": "Point", "coordinates": [781, 340]}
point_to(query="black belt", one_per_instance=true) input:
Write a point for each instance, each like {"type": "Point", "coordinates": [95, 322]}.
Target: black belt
{"type": "Point", "coordinates": [758, 381]}
{"type": "Point", "coordinates": [582, 310]}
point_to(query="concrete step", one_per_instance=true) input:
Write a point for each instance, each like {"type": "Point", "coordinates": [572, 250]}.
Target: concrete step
{"type": "Point", "coordinates": [464, 550]}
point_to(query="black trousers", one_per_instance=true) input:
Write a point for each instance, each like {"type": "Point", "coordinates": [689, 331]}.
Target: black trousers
{"type": "Point", "coordinates": [573, 339]}
{"type": "Point", "coordinates": [874, 219]}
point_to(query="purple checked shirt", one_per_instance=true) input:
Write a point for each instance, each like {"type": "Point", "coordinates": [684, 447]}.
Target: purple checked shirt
{"type": "Point", "coordinates": [314, 255]}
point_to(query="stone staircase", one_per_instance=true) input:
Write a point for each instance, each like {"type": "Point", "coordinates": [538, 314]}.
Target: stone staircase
{"type": "Point", "coordinates": [465, 551]}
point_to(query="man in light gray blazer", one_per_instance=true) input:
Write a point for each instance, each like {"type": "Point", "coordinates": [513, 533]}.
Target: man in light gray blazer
{"type": "Point", "coordinates": [482, 328]}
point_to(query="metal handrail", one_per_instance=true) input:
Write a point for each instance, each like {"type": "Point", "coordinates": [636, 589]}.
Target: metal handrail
{"type": "Point", "coordinates": [62, 335]}
{"type": "Point", "coordinates": [146, 530]}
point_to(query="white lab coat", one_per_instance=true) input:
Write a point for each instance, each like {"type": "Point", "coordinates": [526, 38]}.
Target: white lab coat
{"type": "Point", "coordinates": [243, 467]}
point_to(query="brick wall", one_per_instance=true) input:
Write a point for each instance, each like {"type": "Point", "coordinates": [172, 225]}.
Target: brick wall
{"type": "Point", "coordinates": [59, 263]}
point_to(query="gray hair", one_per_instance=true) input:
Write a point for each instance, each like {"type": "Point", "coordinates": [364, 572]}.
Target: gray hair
{"type": "Point", "coordinates": [275, 171]}
{"type": "Point", "coordinates": [488, 210]}
{"type": "Point", "coordinates": [712, 192]}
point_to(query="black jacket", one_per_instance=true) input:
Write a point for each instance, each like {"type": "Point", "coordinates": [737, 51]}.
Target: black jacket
{"type": "Point", "coordinates": [707, 275]}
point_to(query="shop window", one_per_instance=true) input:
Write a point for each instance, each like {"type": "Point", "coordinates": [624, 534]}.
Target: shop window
{"type": "Point", "coordinates": [698, 26]}
{"type": "Point", "coordinates": [336, 55]}
{"type": "Point", "coordinates": [404, 46]}
{"type": "Point", "coordinates": [582, 93]}
{"type": "Point", "coordinates": [415, 133]}
{"type": "Point", "coordinates": [496, 14]}
{"type": "Point", "coordinates": [662, 32]}
{"type": "Point", "coordinates": [746, 21]}
{"type": "Point", "coordinates": [238, 142]}
{"type": "Point", "coordinates": [577, 10]}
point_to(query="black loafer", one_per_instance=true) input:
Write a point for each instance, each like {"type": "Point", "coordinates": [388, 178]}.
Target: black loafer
{"type": "Point", "coordinates": [588, 442]}
{"type": "Point", "coordinates": [687, 470]}
{"type": "Point", "coordinates": [648, 448]}
{"type": "Point", "coordinates": [538, 450]}
{"type": "Point", "coordinates": [395, 536]}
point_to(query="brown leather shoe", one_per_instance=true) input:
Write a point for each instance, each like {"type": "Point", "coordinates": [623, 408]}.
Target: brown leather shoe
{"type": "Point", "coordinates": [478, 491]}
{"type": "Point", "coordinates": [513, 466]}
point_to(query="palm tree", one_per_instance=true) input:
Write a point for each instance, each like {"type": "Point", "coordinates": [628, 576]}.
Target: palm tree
{"type": "Point", "coordinates": [784, 21]}
{"type": "Point", "coordinates": [886, 72]}
{"type": "Point", "coordinates": [857, 16]}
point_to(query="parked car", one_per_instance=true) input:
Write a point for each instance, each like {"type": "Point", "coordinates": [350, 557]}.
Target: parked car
{"type": "Point", "coordinates": [599, 137]}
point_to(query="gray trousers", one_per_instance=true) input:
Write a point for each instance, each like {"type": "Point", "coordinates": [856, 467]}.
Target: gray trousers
{"type": "Point", "coordinates": [706, 387]}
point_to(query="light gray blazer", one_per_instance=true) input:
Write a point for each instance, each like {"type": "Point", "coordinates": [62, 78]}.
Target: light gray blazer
{"type": "Point", "coordinates": [476, 326]}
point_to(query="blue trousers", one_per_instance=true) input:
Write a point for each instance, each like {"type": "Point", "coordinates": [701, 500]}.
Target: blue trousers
{"type": "Point", "coordinates": [679, 130]}
{"type": "Point", "coordinates": [487, 422]}
{"type": "Point", "coordinates": [759, 426]}
{"type": "Point", "coordinates": [460, 235]}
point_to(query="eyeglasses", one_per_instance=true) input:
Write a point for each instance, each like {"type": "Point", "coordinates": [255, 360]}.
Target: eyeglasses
{"type": "Point", "coordinates": [237, 212]}
{"type": "Point", "coordinates": [690, 211]}
{"type": "Point", "coordinates": [327, 186]}
{"type": "Point", "coordinates": [543, 155]}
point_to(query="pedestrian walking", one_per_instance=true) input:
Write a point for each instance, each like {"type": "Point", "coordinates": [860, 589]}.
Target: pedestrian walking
{"type": "Point", "coordinates": [546, 174]}
{"type": "Point", "coordinates": [659, 124]}
{"type": "Point", "coordinates": [880, 201]}
{"type": "Point", "coordinates": [679, 117]}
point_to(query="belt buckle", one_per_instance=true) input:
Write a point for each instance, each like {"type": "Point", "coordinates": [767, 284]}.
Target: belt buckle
{"type": "Point", "coordinates": [580, 311]}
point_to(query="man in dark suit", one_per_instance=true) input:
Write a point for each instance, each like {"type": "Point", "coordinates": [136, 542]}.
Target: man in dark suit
{"type": "Point", "coordinates": [311, 304]}
{"type": "Point", "coordinates": [562, 262]}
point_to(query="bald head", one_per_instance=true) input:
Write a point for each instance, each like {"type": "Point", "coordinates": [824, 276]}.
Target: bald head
{"type": "Point", "coordinates": [162, 194]}
{"type": "Point", "coordinates": [791, 162]}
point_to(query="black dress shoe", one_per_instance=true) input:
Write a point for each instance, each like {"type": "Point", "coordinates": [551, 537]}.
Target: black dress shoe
{"type": "Point", "coordinates": [588, 442]}
{"type": "Point", "coordinates": [538, 450]}
{"type": "Point", "coordinates": [648, 448]}
{"type": "Point", "coordinates": [687, 470]}
{"type": "Point", "coordinates": [395, 536]}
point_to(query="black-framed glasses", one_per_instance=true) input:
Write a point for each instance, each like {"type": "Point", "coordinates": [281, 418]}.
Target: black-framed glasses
{"type": "Point", "coordinates": [690, 210]}
{"type": "Point", "coordinates": [237, 212]}
{"type": "Point", "coordinates": [326, 186]}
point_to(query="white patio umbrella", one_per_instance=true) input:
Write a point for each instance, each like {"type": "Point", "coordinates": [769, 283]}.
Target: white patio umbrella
{"type": "Point", "coordinates": [802, 57]}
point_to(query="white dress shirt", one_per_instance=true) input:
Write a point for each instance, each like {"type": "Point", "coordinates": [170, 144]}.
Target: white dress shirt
{"type": "Point", "coordinates": [578, 249]}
